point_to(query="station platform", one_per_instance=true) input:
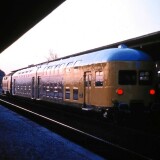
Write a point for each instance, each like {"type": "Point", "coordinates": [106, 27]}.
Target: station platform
{"type": "Point", "coordinates": [21, 138]}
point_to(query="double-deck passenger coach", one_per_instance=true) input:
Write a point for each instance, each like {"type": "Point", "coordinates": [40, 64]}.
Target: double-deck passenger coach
{"type": "Point", "coordinates": [100, 80]}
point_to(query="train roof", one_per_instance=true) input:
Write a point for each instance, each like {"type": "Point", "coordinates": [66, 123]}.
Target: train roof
{"type": "Point", "coordinates": [122, 53]}
{"type": "Point", "coordinates": [114, 54]}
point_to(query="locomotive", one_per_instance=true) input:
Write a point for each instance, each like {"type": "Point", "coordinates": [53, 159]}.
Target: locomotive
{"type": "Point", "coordinates": [103, 80]}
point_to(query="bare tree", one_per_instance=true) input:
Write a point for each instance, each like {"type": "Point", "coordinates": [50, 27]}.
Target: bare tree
{"type": "Point", "coordinates": [52, 55]}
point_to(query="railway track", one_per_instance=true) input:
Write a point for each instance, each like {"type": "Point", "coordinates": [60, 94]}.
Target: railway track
{"type": "Point", "coordinates": [109, 141]}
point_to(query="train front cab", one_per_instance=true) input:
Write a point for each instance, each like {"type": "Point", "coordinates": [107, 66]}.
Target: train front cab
{"type": "Point", "coordinates": [135, 90]}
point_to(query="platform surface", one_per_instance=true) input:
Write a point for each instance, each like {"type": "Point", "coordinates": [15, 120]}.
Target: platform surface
{"type": "Point", "coordinates": [22, 139]}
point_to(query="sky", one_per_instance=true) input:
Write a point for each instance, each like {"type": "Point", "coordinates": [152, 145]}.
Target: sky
{"type": "Point", "coordinates": [79, 25]}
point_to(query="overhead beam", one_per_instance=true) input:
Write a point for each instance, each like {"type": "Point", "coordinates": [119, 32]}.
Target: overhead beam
{"type": "Point", "coordinates": [18, 16]}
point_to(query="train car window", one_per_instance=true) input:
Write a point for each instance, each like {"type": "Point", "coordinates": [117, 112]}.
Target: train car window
{"type": "Point", "coordinates": [127, 77]}
{"type": "Point", "coordinates": [75, 93]}
{"type": "Point", "coordinates": [49, 70]}
{"type": "Point", "coordinates": [76, 66]}
{"type": "Point", "coordinates": [52, 70]}
{"type": "Point", "coordinates": [158, 76]}
{"type": "Point", "coordinates": [45, 71]}
{"type": "Point", "coordinates": [67, 93]}
{"type": "Point", "coordinates": [68, 67]}
{"type": "Point", "coordinates": [99, 78]}
{"type": "Point", "coordinates": [145, 78]}
{"type": "Point", "coordinates": [77, 63]}
{"type": "Point", "coordinates": [44, 88]}
{"type": "Point", "coordinates": [61, 68]}
{"type": "Point", "coordinates": [56, 70]}
{"type": "Point", "coordinates": [76, 69]}
{"type": "Point", "coordinates": [60, 91]}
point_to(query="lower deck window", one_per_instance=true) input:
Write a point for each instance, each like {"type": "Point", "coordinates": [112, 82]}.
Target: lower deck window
{"type": "Point", "coordinates": [67, 93]}
{"type": "Point", "coordinates": [60, 92]}
{"type": "Point", "coordinates": [75, 94]}
{"type": "Point", "coordinates": [99, 79]}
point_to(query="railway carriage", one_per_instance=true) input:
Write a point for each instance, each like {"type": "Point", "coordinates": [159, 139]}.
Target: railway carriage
{"type": "Point", "coordinates": [99, 80]}
{"type": "Point", "coordinates": [23, 82]}
{"type": "Point", "coordinates": [7, 84]}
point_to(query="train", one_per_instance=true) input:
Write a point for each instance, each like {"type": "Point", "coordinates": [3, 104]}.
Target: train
{"type": "Point", "coordinates": [106, 80]}
{"type": "Point", "coordinates": [2, 74]}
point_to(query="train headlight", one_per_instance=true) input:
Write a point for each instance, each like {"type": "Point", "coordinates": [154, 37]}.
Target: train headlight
{"type": "Point", "coordinates": [119, 91]}
{"type": "Point", "coordinates": [152, 92]}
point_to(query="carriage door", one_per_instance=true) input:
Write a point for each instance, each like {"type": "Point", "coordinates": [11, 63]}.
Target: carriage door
{"type": "Point", "coordinates": [14, 86]}
{"type": "Point", "coordinates": [38, 87]}
{"type": "Point", "coordinates": [87, 88]}
{"type": "Point", "coordinates": [32, 87]}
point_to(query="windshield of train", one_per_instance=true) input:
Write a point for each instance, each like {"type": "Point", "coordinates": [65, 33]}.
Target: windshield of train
{"type": "Point", "coordinates": [145, 78]}
{"type": "Point", "coordinates": [129, 77]}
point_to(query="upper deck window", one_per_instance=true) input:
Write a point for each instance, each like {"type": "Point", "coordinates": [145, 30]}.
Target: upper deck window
{"type": "Point", "coordinates": [127, 77]}
{"type": "Point", "coordinates": [49, 70]}
{"type": "Point", "coordinates": [56, 69]}
{"type": "Point", "coordinates": [76, 66]}
{"type": "Point", "coordinates": [45, 71]}
{"type": "Point", "coordinates": [61, 67]}
{"type": "Point", "coordinates": [68, 67]}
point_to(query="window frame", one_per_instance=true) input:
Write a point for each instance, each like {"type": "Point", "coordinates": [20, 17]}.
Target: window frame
{"type": "Point", "coordinates": [124, 77]}
{"type": "Point", "coordinates": [99, 78]}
